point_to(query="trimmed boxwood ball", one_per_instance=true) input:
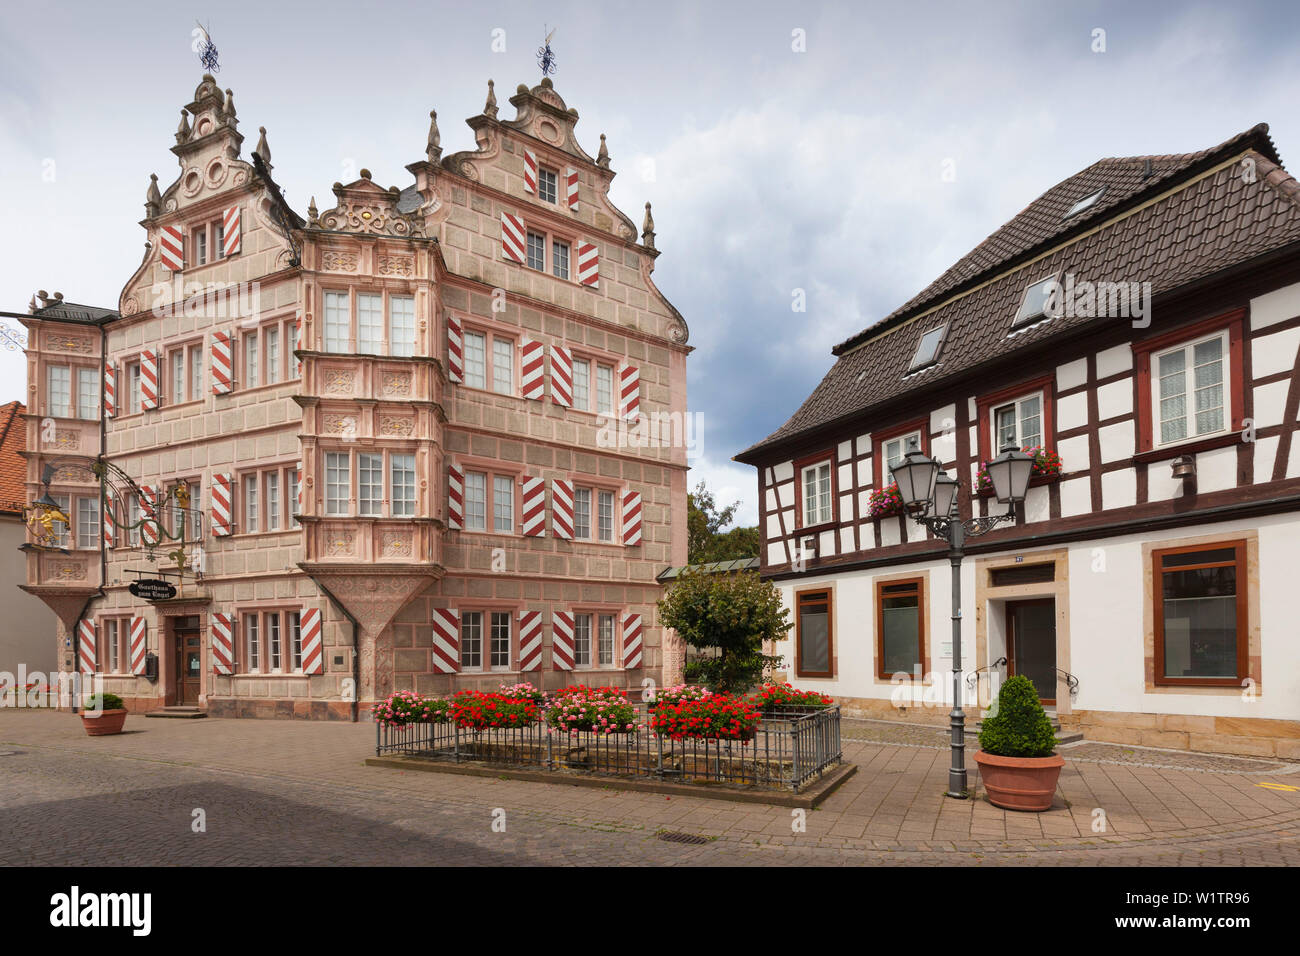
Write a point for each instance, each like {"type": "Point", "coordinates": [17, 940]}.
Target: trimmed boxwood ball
{"type": "Point", "coordinates": [1020, 727]}
{"type": "Point", "coordinates": [110, 702]}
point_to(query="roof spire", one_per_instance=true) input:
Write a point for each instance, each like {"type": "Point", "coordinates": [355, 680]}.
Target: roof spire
{"type": "Point", "coordinates": [152, 199]}
{"type": "Point", "coordinates": [229, 108]}
{"type": "Point", "coordinates": [262, 148]}
{"type": "Point", "coordinates": [648, 229]}
{"type": "Point", "coordinates": [490, 109]}
{"type": "Point", "coordinates": [602, 157]}
{"type": "Point", "coordinates": [183, 128]}
{"type": "Point", "coordinates": [313, 217]}
{"type": "Point", "coordinates": [434, 150]}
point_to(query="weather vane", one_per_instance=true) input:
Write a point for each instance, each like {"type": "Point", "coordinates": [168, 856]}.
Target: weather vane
{"type": "Point", "coordinates": [208, 51]}
{"type": "Point", "coordinates": [545, 56]}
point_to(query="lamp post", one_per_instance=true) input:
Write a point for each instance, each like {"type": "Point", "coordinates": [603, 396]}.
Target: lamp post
{"type": "Point", "coordinates": [930, 497]}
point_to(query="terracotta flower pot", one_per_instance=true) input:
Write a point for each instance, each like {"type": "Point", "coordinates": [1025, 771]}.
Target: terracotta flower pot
{"type": "Point", "coordinates": [104, 723]}
{"type": "Point", "coordinates": [1020, 783]}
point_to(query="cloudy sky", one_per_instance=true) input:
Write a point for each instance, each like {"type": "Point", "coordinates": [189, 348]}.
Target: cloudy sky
{"type": "Point", "coordinates": [771, 169]}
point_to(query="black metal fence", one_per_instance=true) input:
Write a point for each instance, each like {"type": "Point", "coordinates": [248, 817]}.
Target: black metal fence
{"type": "Point", "coordinates": [787, 752]}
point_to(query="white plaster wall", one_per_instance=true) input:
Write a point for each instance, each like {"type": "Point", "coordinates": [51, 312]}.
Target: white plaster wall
{"type": "Point", "coordinates": [1071, 374]}
{"type": "Point", "coordinates": [1270, 354]}
{"type": "Point", "coordinates": [1216, 470]}
{"type": "Point", "coordinates": [1074, 453]}
{"type": "Point", "coordinates": [1072, 412]}
{"type": "Point", "coordinates": [1276, 306]}
{"type": "Point", "coordinates": [1115, 399]}
{"type": "Point", "coordinates": [1270, 403]}
{"type": "Point", "coordinates": [1118, 441]}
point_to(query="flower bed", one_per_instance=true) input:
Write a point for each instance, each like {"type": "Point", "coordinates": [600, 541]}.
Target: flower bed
{"type": "Point", "coordinates": [786, 699]}
{"type": "Point", "coordinates": [524, 691]}
{"type": "Point", "coordinates": [885, 502]}
{"type": "Point", "coordinates": [679, 694]}
{"type": "Point", "coordinates": [714, 717]}
{"type": "Point", "coordinates": [1047, 465]}
{"type": "Point", "coordinates": [406, 707]}
{"type": "Point", "coordinates": [602, 710]}
{"type": "Point", "coordinates": [475, 710]}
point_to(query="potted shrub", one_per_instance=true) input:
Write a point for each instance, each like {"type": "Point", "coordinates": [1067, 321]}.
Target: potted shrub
{"type": "Point", "coordinates": [103, 714]}
{"type": "Point", "coordinates": [1017, 756]}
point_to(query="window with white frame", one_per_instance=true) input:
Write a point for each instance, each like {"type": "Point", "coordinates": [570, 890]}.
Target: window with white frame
{"type": "Point", "coordinates": [503, 504]}
{"type": "Point", "coordinates": [133, 396]}
{"type": "Point", "coordinates": [370, 323]}
{"type": "Point", "coordinates": [401, 324]}
{"type": "Point", "coordinates": [338, 322]}
{"type": "Point", "coordinates": [272, 641]}
{"type": "Point", "coordinates": [87, 523]}
{"type": "Point", "coordinates": [1191, 399]}
{"type": "Point", "coordinates": [560, 259]}
{"type": "Point", "coordinates": [294, 619]}
{"type": "Point", "coordinates": [593, 640]}
{"type": "Point", "coordinates": [546, 184]}
{"type": "Point", "coordinates": [497, 375]}
{"type": "Point", "coordinates": [475, 501]}
{"type": "Point", "coordinates": [62, 534]}
{"type": "Point", "coordinates": [252, 376]}
{"type": "Point", "coordinates": [271, 340]}
{"type": "Point", "coordinates": [1019, 423]}
{"type": "Point", "coordinates": [338, 482]}
{"type": "Point", "coordinates": [196, 372]}
{"type": "Point", "coordinates": [605, 640]}
{"type": "Point", "coordinates": [271, 481]}
{"type": "Point", "coordinates": [88, 381]}
{"type": "Point", "coordinates": [474, 656]}
{"type": "Point", "coordinates": [593, 514]}
{"type": "Point", "coordinates": [582, 512]}
{"type": "Point", "coordinates": [816, 481]}
{"type": "Point", "coordinates": [582, 384]}
{"type": "Point", "coordinates": [292, 475]}
{"type": "Point", "coordinates": [58, 393]}
{"type": "Point", "coordinates": [199, 245]}
{"type": "Point", "coordinates": [604, 389]}
{"type": "Point", "coordinates": [897, 448]}
{"type": "Point", "coordinates": [471, 640]}
{"type": "Point", "coordinates": [604, 515]}
{"type": "Point", "coordinates": [370, 484]}
{"type": "Point", "coordinates": [582, 640]}
{"type": "Point", "coordinates": [111, 638]}
{"type": "Point", "coordinates": [133, 516]}
{"type": "Point", "coordinates": [536, 258]}
{"type": "Point", "coordinates": [253, 643]}
{"type": "Point", "coordinates": [503, 365]}
{"type": "Point", "coordinates": [176, 376]}
{"type": "Point", "coordinates": [401, 470]}
{"type": "Point", "coordinates": [500, 649]}
{"type": "Point", "coordinates": [250, 504]}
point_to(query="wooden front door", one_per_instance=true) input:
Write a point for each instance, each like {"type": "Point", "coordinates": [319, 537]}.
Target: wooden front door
{"type": "Point", "coordinates": [189, 665]}
{"type": "Point", "coordinates": [1031, 644]}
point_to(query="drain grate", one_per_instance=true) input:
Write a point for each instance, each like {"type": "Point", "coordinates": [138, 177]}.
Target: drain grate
{"type": "Point", "coordinates": [672, 836]}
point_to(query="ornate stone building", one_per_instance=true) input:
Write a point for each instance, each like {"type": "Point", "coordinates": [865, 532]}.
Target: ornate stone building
{"type": "Point", "coordinates": [415, 428]}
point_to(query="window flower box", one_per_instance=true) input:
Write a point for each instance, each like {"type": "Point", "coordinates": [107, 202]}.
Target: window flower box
{"type": "Point", "coordinates": [1047, 467]}
{"type": "Point", "coordinates": [885, 502]}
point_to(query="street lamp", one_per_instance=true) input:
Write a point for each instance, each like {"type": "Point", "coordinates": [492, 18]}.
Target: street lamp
{"type": "Point", "coordinates": [930, 497]}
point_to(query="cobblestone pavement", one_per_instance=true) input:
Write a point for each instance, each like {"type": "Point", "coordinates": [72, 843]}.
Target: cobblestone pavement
{"type": "Point", "coordinates": [936, 736]}
{"type": "Point", "coordinates": [288, 792]}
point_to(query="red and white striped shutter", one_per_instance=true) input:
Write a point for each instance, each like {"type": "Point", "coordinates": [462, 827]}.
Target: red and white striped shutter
{"type": "Point", "coordinates": [86, 649]}
{"type": "Point", "coordinates": [313, 645]}
{"type": "Point", "coordinates": [230, 231]}
{"type": "Point", "coordinates": [446, 640]}
{"type": "Point", "coordinates": [561, 376]}
{"type": "Point", "coordinates": [533, 492]}
{"type": "Point", "coordinates": [139, 644]}
{"type": "Point", "coordinates": [512, 237]}
{"type": "Point", "coordinates": [588, 264]}
{"type": "Point", "coordinates": [631, 641]}
{"type": "Point", "coordinates": [530, 172]}
{"type": "Point", "coordinates": [455, 497]}
{"type": "Point", "coordinates": [455, 355]}
{"type": "Point", "coordinates": [629, 392]}
{"type": "Point", "coordinates": [562, 508]}
{"type": "Point", "coordinates": [148, 515]}
{"type": "Point", "coordinates": [110, 390]}
{"type": "Point", "coordinates": [222, 627]}
{"type": "Point", "coordinates": [148, 379]}
{"type": "Point", "coordinates": [562, 640]}
{"type": "Point", "coordinates": [109, 523]}
{"type": "Point", "coordinates": [572, 176]}
{"type": "Point", "coordinates": [530, 640]}
{"type": "Point", "coordinates": [222, 513]}
{"type": "Point", "coordinates": [532, 363]}
{"type": "Point", "coordinates": [171, 248]}
{"type": "Point", "coordinates": [220, 358]}
{"type": "Point", "coordinates": [631, 518]}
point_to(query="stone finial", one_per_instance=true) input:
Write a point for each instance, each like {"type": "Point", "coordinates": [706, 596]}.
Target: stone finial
{"type": "Point", "coordinates": [648, 229]}
{"type": "Point", "coordinates": [31, 306]}
{"type": "Point", "coordinates": [183, 129]}
{"type": "Point", "coordinates": [229, 108]}
{"type": "Point", "coordinates": [262, 149]}
{"type": "Point", "coordinates": [152, 199]}
{"type": "Point", "coordinates": [313, 217]}
{"type": "Point", "coordinates": [602, 157]}
{"type": "Point", "coordinates": [434, 150]}
{"type": "Point", "coordinates": [44, 297]}
{"type": "Point", "coordinates": [490, 108]}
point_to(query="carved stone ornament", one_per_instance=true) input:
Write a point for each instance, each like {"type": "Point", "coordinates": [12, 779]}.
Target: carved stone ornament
{"type": "Point", "coordinates": [339, 262]}
{"type": "Point", "coordinates": [367, 209]}
{"type": "Point", "coordinates": [340, 425]}
{"type": "Point", "coordinates": [67, 570]}
{"type": "Point", "coordinates": [403, 266]}
{"type": "Point", "coordinates": [396, 427]}
{"type": "Point", "coordinates": [395, 544]}
{"type": "Point", "coordinates": [339, 381]}
{"type": "Point", "coordinates": [396, 383]}
{"type": "Point", "coordinates": [70, 343]}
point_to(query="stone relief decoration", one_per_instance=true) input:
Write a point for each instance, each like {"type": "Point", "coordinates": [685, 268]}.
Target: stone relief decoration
{"type": "Point", "coordinates": [73, 473]}
{"type": "Point", "coordinates": [396, 383]}
{"type": "Point", "coordinates": [339, 262]}
{"type": "Point", "coordinates": [67, 571]}
{"type": "Point", "coordinates": [403, 266]}
{"type": "Point", "coordinates": [67, 438]}
{"type": "Point", "coordinates": [395, 544]}
{"type": "Point", "coordinates": [396, 427]}
{"type": "Point", "coordinates": [70, 343]}
{"type": "Point", "coordinates": [371, 210]}
{"type": "Point", "coordinates": [339, 542]}
{"type": "Point", "coordinates": [339, 425]}
{"type": "Point", "coordinates": [339, 381]}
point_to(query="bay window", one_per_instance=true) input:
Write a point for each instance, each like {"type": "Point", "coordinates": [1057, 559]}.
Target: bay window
{"type": "Point", "coordinates": [401, 325]}
{"type": "Point", "coordinates": [58, 394]}
{"type": "Point", "coordinates": [370, 323]}
{"type": "Point", "coordinates": [88, 384]}
{"type": "Point", "coordinates": [370, 484]}
{"type": "Point", "coordinates": [338, 482]}
{"type": "Point", "coordinates": [401, 471]}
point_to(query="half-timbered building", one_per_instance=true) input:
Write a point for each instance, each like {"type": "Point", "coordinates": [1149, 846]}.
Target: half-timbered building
{"type": "Point", "coordinates": [1137, 325]}
{"type": "Point", "coordinates": [409, 421]}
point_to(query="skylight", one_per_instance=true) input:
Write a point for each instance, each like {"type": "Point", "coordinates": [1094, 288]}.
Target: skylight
{"type": "Point", "coordinates": [1087, 202]}
{"type": "Point", "coordinates": [1034, 305]}
{"type": "Point", "coordinates": [927, 350]}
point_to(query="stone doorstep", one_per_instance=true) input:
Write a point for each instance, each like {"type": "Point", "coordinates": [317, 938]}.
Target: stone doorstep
{"type": "Point", "coordinates": [808, 798]}
{"type": "Point", "coordinates": [182, 713]}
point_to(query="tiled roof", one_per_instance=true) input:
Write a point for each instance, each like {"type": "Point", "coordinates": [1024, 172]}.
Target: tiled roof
{"type": "Point", "coordinates": [74, 312]}
{"type": "Point", "coordinates": [13, 467]}
{"type": "Point", "coordinates": [1214, 220]}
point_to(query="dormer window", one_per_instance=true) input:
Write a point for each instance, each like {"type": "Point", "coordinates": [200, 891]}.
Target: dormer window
{"type": "Point", "coordinates": [547, 184]}
{"type": "Point", "coordinates": [927, 350]}
{"type": "Point", "coordinates": [1087, 202]}
{"type": "Point", "coordinates": [1034, 305]}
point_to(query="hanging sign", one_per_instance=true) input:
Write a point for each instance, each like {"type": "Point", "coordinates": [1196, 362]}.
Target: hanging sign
{"type": "Point", "coordinates": [153, 590]}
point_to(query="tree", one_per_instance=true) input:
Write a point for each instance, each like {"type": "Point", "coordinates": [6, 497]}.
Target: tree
{"type": "Point", "coordinates": [705, 539]}
{"type": "Point", "coordinates": [728, 616]}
